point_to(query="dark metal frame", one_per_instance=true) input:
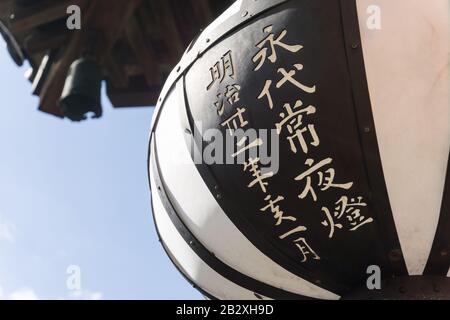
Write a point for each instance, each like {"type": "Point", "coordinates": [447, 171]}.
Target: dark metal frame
{"type": "Point", "coordinates": [439, 260]}
{"type": "Point", "coordinates": [406, 288]}
{"type": "Point", "coordinates": [368, 139]}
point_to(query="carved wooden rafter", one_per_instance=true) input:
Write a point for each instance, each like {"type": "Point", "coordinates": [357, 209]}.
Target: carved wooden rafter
{"type": "Point", "coordinates": [27, 18]}
{"type": "Point", "coordinates": [109, 26]}
{"type": "Point", "coordinates": [135, 42]}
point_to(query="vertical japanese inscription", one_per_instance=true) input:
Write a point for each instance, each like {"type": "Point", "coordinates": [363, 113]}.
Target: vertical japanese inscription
{"type": "Point", "coordinates": [294, 122]}
{"type": "Point", "coordinates": [297, 126]}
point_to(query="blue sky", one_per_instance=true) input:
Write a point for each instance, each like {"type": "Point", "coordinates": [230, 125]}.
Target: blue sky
{"type": "Point", "coordinates": [76, 194]}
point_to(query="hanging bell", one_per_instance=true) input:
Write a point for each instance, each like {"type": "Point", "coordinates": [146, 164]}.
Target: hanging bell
{"type": "Point", "coordinates": [82, 90]}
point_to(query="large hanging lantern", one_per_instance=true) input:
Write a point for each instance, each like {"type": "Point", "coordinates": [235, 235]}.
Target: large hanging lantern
{"type": "Point", "coordinates": [345, 171]}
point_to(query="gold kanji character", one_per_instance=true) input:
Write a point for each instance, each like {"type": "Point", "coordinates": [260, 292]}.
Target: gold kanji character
{"type": "Point", "coordinates": [252, 165]}
{"type": "Point", "coordinates": [236, 121]}
{"type": "Point", "coordinates": [266, 93]}
{"type": "Point", "coordinates": [351, 208]}
{"type": "Point", "coordinates": [222, 68]}
{"type": "Point", "coordinates": [288, 76]}
{"type": "Point", "coordinates": [278, 214]}
{"type": "Point", "coordinates": [326, 178]}
{"type": "Point", "coordinates": [231, 96]}
{"type": "Point", "coordinates": [306, 249]}
{"type": "Point", "coordinates": [348, 208]}
{"type": "Point", "coordinates": [292, 118]}
{"type": "Point", "coordinates": [241, 144]}
{"type": "Point", "coordinates": [232, 93]}
{"type": "Point", "coordinates": [261, 56]}
{"type": "Point", "coordinates": [292, 232]}
{"type": "Point", "coordinates": [329, 222]}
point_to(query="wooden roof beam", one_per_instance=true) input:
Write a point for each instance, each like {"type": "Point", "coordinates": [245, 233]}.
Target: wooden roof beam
{"type": "Point", "coordinates": [31, 17]}
{"type": "Point", "coordinates": [112, 23]}
{"type": "Point", "coordinates": [109, 26]}
{"type": "Point", "coordinates": [38, 43]}
{"type": "Point", "coordinates": [143, 53]}
{"type": "Point", "coordinates": [6, 6]}
{"type": "Point", "coordinates": [171, 34]}
{"type": "Point", "coordinates": [116, 73]}
{"type": "Point", "coordinates": [52, 88]}
{"type": "Point", "coordinates": [203, 9]}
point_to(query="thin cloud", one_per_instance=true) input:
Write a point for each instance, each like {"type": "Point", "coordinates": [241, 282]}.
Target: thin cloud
{"type": "Point", "coordinates": [23, 294]}
{"type": "Point", "coordinates": [29, 294]}
{"type": "Point", "coordinates": [86, 295]}
{"type": "Point", "coordinates": [7, 231]}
